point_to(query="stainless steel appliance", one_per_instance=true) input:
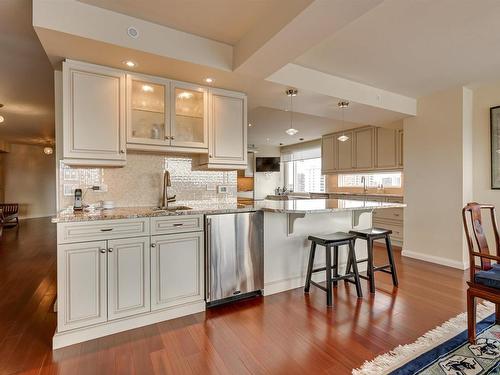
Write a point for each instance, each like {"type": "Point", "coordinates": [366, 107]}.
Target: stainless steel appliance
{"type": "Point", "coordinates": [234, 256]}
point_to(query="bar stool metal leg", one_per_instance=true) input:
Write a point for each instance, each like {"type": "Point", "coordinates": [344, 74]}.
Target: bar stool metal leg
{"type": "Point", "coordinates": [352, 255]}
{"type": "Point", "coordinates": [328, 253]}
{"type": "Point", "coordinates": [312, 252]}
{"type": "Point", "coordinates": [370, 271]}
{"type": "Point", "coordinates": [390, 255]}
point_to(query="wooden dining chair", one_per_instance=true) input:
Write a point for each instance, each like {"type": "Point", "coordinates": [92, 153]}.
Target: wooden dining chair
{"type": "Point", "coordinates": [485, 278]}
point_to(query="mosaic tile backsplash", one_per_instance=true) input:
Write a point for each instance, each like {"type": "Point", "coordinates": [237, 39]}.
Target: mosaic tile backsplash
{"type": "Point", "coordinates": [140, 182]}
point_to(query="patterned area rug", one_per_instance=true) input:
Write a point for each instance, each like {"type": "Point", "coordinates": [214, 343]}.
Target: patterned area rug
{"type": "Point", "coordinates": [445, 350]}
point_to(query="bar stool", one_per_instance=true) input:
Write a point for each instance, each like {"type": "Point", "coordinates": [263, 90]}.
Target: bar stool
{"type": "Point", "coordinates": [370, 235]}
{"type": "Point", "coordinates": [330, 241]}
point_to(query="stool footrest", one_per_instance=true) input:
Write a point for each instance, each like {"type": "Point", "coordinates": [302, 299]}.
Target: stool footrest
{"type": "Point", "coordinates": [382, 268]}
{"type": "Point", "coordinates": [319, 286]}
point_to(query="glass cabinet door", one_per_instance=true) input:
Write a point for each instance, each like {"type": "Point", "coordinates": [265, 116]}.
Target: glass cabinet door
{"type": "Point", "coordinates": [189, 125]}
{"type": "Point", "coordinates": [148, 110]}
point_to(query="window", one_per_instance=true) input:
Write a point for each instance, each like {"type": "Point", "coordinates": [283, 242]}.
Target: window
{"type": "Point", "coordinates": [304, 175]}
{"type": "Point", "coordinates": [302, 167]}
{"type": "Point", "coordinates": [390, 179]}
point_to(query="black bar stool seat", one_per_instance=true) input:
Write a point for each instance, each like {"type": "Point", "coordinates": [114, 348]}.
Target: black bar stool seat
{"type": "Point", "coordinates": [370, 235]}
{"type": "Point", "coordinates": [329, 241]}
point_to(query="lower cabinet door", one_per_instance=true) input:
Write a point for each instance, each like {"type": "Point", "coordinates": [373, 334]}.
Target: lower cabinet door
{"type": "Point", "coordinates": [128, 277]}
{"type": "Point", "coordinates": [81, 284]}
{"type": "Point", "coordinates": [177, 262]}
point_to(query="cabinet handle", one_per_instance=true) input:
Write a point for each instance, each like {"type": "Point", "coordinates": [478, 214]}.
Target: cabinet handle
{"type": "Point", "coordinates": [110, 249]}
{"type": "Point", "coordinates": [153, 245]}
{"type": "Point", "coordinates": [106, 230]}
{"type": "Point", "coordinates": [102, 250]}
{"type": "Point", "coordinates": [178, 225]}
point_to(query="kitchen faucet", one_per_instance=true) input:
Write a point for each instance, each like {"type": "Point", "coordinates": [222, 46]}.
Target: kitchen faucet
{"type": "Point", "coordinates": [165, 199]}
{"type": "Point", "coordinates": [363, 181]}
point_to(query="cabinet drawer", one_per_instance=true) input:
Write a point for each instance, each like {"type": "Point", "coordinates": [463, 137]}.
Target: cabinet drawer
{"type": "Point", "coordinates": [397, 229]}
{"type": "Point", "coordinates": [176, 224]}
{"type": "Point", "coordinates": [102, 229]}
{"type": "Point", "coordinates": [389, 213]}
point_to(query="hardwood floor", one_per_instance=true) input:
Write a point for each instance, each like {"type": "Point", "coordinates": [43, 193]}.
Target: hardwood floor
{"type": "Point", "coordinates": [287, 333]}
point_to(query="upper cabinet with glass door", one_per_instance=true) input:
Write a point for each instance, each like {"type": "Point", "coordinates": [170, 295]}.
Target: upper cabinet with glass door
{"type": "Point", "coordinates": [189, 120]}
{"type": "Point", "coordinates": [148, 120]}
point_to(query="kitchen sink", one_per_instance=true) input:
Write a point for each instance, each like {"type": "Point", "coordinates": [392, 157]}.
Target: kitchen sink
{"type": "Point", "coordinates": [172, 208]}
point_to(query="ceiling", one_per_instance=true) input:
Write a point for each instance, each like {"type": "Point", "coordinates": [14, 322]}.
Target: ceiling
{"type": "Point", "coordinates": [26, 78]}
{"type": "Point", "coordinates": [415, 47]}
{"type": "Point", "coordinates": [268, 127]}
{"type": "Point", "coordinates": [225, 21]}
{"type": "Point", "coordinates": [379, 49]}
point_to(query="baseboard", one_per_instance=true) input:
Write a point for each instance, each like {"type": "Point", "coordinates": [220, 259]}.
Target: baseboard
{"type": "Point", "coordinates": [435, 259]}
{"type": "Point", "coordinates": [62, 339]}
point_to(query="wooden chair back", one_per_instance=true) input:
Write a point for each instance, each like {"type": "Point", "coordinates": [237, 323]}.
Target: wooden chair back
{"type": "Point", "coordinates": [473, 223]}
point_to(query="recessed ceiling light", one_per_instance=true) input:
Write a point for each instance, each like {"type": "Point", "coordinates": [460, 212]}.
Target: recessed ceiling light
{"type": "Point", "coordinates": [209, 80]}
{"type": "Point", "coordinates": [130, 63]}
{"type": "Point", "coordinates": [147, 88]}
{"type": "Point", "coordinates": [48, 150]}
{"type": "Point", "coordinates": [1, 119]}
{"type": "Point", "coordinates": [250, 125]}
{"type": "Point", "coordinates": [291, 131]}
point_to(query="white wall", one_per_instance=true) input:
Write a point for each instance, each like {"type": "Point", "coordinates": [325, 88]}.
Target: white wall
{"type": "Point", "coordinates": [29, 179]}
{"type": "Point", "coordinates": [437, 141]}
{"type": "Point", "coordinates": [266, 182]}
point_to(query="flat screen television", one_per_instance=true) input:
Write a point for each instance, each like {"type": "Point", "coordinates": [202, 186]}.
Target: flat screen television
{"type": "Point", "coordinates": [267, 164]}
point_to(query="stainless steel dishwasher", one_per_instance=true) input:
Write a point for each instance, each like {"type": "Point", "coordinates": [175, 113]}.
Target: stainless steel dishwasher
{"type": "Point", "coordinates": [234, 256]}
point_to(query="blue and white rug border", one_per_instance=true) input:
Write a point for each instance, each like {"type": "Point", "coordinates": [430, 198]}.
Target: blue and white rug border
{"type": "Point", "coordinates": [401, 355]}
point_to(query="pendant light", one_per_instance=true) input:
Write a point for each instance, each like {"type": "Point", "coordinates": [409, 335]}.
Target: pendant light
{"type": "Point", "coordinates": [291, 130]}
{"type": "Point", "coordinates": [343, 105]}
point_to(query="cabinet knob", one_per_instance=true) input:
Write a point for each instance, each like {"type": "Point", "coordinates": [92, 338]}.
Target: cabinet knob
{"type": "Point", "coordinates": [209, 155]}
{"type": "Point", "coordinates": [102, 250]}
{"type": "Point", "coordinates": [153, 245]}
{"type": "Point", "coordinates": [172, 137]}
{"type": "Point", "coordinates": [110, 249]}
{"type": "Point", "coordinates": [167, 137]}
{"type": "Point", "coordinates": [122, 151]}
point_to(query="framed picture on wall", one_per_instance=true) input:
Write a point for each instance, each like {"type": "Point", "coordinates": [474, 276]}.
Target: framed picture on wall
{"type": "Point", "coordinates": [495, 146]}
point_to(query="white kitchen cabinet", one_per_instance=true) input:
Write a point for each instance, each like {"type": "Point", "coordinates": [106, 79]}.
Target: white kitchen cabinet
{"type": "Point", "coordinates": [364, 148]}
{"type": "Point", "coordinates": [189, 121]}
{"type": "Point", "coordinates": [81, 284]}
{"type": "Point", "coordinates": [328, 159]}
{"type": "Point", "coordinates": [344, 151]}
{"type": "Point", "coordinates": [227, 146]}
{"type": "Point", "coordinates": [367, 149]}
{"type": "Point", "coordinates": [386, 140]}
{"type": "Point", "coordinates": [177, 262]}
{"type": "Point", "coordinates": [128, 277]}
{"type": "Point", "coordinates": [148, 110]}
{"type": "Point", "coordinates": [93, 115]}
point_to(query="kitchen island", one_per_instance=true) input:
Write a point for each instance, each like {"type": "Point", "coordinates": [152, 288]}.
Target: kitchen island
{"type": "Point", "coordinates": [129, 267]}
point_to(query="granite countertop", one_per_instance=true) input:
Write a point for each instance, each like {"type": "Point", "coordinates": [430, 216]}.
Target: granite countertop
{"type": "Point", "coordinates": [300, 206]}
{"type": "Point", "coordinates": [389, 195]}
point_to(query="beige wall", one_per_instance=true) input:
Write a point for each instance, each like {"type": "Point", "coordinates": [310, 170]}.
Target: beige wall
{"type": "Point", "coordinates": [29, 179]}
{"type": "Point", "coordinates": [437, 141]}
